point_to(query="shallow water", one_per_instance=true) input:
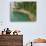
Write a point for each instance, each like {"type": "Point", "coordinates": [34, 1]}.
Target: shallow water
{"type": "Point", "coordinates": [17, 16]}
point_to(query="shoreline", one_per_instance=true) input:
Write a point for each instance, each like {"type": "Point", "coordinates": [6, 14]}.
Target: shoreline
{"type": "Point", "coordinates": [25, 12]}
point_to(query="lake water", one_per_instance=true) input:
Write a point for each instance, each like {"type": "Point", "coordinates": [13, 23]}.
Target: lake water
{"type": "Point", "coordinates": [17, 16]}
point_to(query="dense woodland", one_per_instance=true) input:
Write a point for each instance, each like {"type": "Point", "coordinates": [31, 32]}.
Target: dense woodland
{"type": "Point", "coordinates": [30, 6]}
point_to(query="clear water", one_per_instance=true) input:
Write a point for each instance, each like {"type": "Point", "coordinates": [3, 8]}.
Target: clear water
{"type": "Point", "coordinates": [17, 16]}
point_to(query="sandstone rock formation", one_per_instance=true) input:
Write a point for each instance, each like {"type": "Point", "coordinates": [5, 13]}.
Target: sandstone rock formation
{"type": "Point", "coordinates": [39, 40]}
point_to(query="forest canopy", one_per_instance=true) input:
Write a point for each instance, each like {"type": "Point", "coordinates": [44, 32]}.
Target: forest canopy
{"type": "Point", "coordinates": [30, 6]}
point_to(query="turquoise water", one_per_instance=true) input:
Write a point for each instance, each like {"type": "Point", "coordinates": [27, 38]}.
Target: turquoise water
{"type": "Point", "coordinates": [17, 16]}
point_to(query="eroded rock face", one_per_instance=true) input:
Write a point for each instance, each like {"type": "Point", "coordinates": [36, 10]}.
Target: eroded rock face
{"type": "Point", "coordinates": [39, 40]}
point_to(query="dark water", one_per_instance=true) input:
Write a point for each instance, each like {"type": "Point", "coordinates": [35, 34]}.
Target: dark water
{"type": "Point", "coordinates": [17, 16]}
